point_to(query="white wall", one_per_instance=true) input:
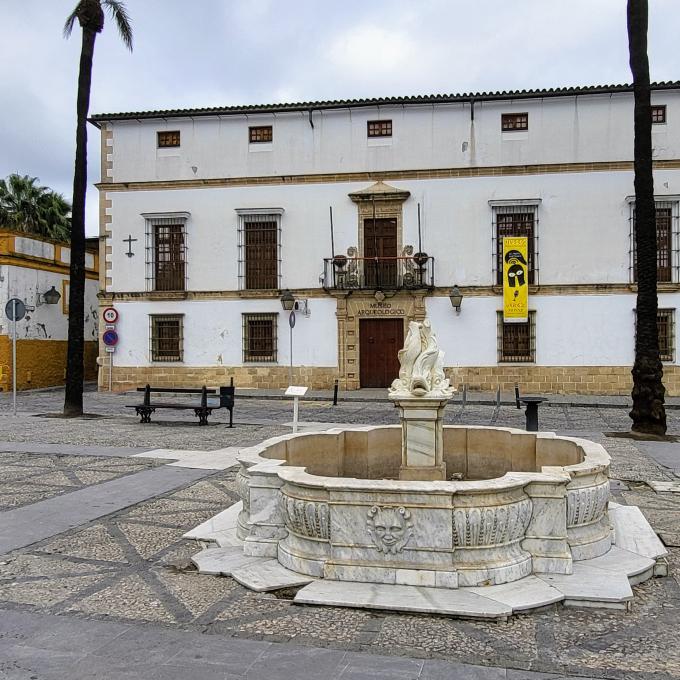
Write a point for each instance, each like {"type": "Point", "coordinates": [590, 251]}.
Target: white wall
{"type": "Point", "coordinates": [561, 130]}
{"type": "Point", "coordinates": [583, 227]}
{"type": "Point", "coordinates": [571, 330]}
{"type": "Point", "coordinates": [46, 321]}
{"type": "Point", "coordinates": [213, 332]}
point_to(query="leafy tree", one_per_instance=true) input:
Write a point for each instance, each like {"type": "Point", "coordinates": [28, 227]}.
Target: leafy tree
{"type": "Point", "coordinates": [648, 413]}
{"type": "Point", "coordinates": [26, 206]}
{"type": "Point", "coordinates": [90, 16]}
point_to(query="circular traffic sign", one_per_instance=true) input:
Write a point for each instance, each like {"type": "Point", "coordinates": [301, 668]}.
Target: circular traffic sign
{"type": "Point", "coordinates": [110, 338]}
{"type": "Point", "coordinates": [15, 309]}
{"type": "Point", "coordinates": [110, 315]}
{"type": "Point", "coordinates": [291, 319]}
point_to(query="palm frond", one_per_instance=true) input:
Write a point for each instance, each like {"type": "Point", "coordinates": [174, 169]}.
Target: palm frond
{"type": "Point", "coordinates": [70, 23]}
{"type": "Point", "coordinates": [117, 10]}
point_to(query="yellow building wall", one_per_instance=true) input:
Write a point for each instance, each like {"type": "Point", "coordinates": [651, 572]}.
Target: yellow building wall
{"type": "Point", "coordinates": [41, 363]}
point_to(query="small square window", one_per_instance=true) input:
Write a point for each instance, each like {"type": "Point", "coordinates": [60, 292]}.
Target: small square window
{"type": "Point", "coordinates": [517, 341]}
{"type": "Point", "coordinates": [260, 134]}
{"type": "Point", "coordinates": [167, 337]}
{"type": "Point", "coordinates": [168, 139]}
{"type": "Point", "coordinates": [658, 114]}
{"type": "Point", "coordinates": [379, 128]}
{"type": "Point", "coordinates": [259, 337]}
{"type": "Point", "coordinates": [513, 122]}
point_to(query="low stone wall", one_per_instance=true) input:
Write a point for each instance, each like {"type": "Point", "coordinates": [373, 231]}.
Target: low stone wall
{"type": "Point", "coordinates": [595, 380]}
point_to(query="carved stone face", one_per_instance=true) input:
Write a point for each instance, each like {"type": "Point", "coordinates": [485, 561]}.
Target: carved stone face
{"type": "Point", "coordinates": [390, 528]}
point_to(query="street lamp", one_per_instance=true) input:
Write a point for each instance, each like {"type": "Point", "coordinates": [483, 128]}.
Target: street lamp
{"type": "Point", "coordinates": [456, 298]}
{"type": "Point", "coordinates": [287, 301]}
{"type": "Point", "coordinates": [288, 304]}
{"type": "Point", "coordinates": [52, 296]}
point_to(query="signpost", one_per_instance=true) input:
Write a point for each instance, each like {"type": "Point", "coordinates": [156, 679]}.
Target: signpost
{"type": "Point", "coordinates": [110, 338]}
{"type": "Point", "coordinates": [15, 310]}
{"type": "Point", "coordinates": [291, 323]}
{"type": "Point", "coordinates": [296, 392]}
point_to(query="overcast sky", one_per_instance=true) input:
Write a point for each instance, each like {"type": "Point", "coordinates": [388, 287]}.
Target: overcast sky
{"type": "Point", "coordinates": [225, 52]}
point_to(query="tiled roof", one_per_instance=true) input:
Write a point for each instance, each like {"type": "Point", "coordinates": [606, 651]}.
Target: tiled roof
{"type": "Point", "coordinates": [379, 101]}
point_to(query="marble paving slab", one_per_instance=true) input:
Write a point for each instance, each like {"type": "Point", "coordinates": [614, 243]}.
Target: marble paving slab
{"type": "Point", "coordinates": [623, 561]}
{"type": "Point", "coordinates": [633, 532]}
{"type": "Point", "coordinates": [589, 586]}
{"type": "Point", "coordinates": [452, 602]}
{"type": "Point", "coordinates": [527, 593]}
{"type": "Point", "coordinates": [213, 528]}
{"type": "Point", "coordinates": [222, 561]}
{"type": "Point", "coordinates": [268, 574]}
{"type": "Point", "coordinates": [221, 459]}
{"type": "Point", "coordinates": [665, 487]}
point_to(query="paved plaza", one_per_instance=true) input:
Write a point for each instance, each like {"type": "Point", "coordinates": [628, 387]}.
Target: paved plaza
{"type": "Point", "coordinates": [96, 581]}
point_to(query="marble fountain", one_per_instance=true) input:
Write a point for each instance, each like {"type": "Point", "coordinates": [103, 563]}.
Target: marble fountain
{"type": "Point", "coordinates": [458, 520]}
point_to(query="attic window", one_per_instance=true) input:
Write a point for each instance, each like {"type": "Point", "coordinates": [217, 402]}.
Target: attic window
{"type": "Point", "coordinates": [659, 114]}
{"type": "Point", "coordinates": [260, 134]}
{"type": "Point", "coordinates": [168, 139]}
{"type": "Point", "coordinates": [513, 122]}
{"type": "Point", "coordinates": [379, 128]}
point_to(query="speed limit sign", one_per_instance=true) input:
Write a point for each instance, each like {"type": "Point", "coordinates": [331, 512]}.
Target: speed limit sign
{"type": "Point", "coordinates": [110, 315]}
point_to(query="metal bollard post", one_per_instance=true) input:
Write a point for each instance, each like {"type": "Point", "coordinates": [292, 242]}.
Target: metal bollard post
{"type": "Point", "coordinates": [335, 393]}
{"type": "Point", "coordinates": [532, 412]}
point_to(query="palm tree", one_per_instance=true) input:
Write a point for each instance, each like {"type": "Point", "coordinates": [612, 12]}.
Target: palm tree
{"type": "Point", "coordinates": [648, 413]}
{"type": "Point", "coordinates": [90, 16]}
{"type": "Point", "coordinates": [26, 206]}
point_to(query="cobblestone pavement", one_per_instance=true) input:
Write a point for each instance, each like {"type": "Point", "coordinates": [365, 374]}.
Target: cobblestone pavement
{"type": "Point", "coordinates": [133, 565]}
{"type": "Point", "coordinates": [112, 424]}
{"type": "Point", "coordinates": [28, 479]}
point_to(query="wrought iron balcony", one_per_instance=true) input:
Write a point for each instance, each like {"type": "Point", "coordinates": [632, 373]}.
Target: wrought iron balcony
{"type": "Point", "coordinates": [378, 273]}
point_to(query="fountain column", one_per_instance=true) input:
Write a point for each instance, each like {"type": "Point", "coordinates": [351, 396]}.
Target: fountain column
{"type": "Point", "coordinates": [421, 392]}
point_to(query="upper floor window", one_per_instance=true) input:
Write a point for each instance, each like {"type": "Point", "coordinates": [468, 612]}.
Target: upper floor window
{"type": "Point", "coordinates": [667, 240]}
{"type": "Point", "coordinates": [168, 139]}
{"type": "Point", "coordinates": [515, 219]}
{"type": "Point", "coordinates": [260, 134]}
{"type": "Point", "coordinates": [259, 242]}
{"type": "Point", "coordinates": [659, 114]}
{"type": "Point", "coordinates": [166, 247]}
{"type": "Point", "coordinates": [379, 128]}
{"type": "Point", "coordinates": [511, 122]}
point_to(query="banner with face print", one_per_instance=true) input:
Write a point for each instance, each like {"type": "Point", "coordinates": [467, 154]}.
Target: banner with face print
{"type": "Point", "coordinates": [515, 279]}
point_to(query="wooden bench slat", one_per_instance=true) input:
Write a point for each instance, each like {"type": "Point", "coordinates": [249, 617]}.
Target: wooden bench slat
{"type": "Point", "coordinates": [178, 390]}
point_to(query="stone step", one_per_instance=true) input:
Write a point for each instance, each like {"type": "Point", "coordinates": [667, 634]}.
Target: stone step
{"type": "Point", "coordinates": [220, 529]}
{"type": "Point", "coordinates": [268, 574]}
{"type": "Point", "coordinates": [633, 532]}
{"type": "Point", "coordinates": [222, 561]}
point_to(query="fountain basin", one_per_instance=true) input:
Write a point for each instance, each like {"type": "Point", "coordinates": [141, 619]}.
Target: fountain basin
{"type": "Point", "coordinates": [330, 505]}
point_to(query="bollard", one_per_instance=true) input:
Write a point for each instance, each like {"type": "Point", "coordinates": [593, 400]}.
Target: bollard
{"type": "Point", "coordinates": [532, 412]}
{"type": "Point", "coordinates": [335, 393]}
{"type": "Point", "coordinates": [517, 404]}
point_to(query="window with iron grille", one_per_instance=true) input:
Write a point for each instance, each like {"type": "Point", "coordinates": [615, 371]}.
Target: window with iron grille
{"type": "Point", "coordinates": [659, 114]}
{"type": "Point", "coordinates": [379, 128]}
{"type": "Point", "coordinates": [514, 221]}
{"type": "Point", "coordinates": [512, 122]}
{"type": "Point", "coordinates": [259, 240]}
{"type": "Point", "coordinates": [260, 133]}
{"type": "Point", "coordinates": [167, 337]}
{"type": "Point", "coordinates": [665, 321]}
{"type": "Point", "coordinates": [259, 337]}
{"type": "Point", "coordinates": [166, 250]}
{"type": "Point", "coordinates": [167, 139]}
{"type": "Point", "coordinates": [517, 341]}
{"type": "Point", "coordinates": [667, 241]}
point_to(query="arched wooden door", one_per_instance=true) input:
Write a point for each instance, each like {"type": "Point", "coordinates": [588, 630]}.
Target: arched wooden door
{"type": "Point", "coordinates": [379, 342]}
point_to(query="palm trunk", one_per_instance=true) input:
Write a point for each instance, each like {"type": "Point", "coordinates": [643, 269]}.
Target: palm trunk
{"type": "Point", "coordinates": [73, 401]}
{"type": "Point", "coordinates": [648, 413]}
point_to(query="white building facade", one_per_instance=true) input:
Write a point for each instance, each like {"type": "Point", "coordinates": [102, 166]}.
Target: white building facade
{"type": "Point", "coordinates": [209, 216]}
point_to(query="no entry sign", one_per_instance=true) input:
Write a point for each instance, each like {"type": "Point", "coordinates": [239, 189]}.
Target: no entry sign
{"type": "Point", "coordinates": [110, 338]}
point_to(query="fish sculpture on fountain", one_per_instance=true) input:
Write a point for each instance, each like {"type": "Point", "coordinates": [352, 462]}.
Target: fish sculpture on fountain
{"type": "Point", "coordinates": [421, 372]}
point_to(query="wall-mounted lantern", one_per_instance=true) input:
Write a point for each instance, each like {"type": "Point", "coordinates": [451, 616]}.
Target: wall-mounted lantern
{"type": "Point", "coordinates": [456, 298]}
{"type": "Point", "coordinates": [287, 301]}
{"type": "Point", "coordinates": [51, 297]}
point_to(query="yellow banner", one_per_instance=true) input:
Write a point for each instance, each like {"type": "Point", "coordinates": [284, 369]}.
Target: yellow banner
{"type": "Point", "coordinates": [515, 279]}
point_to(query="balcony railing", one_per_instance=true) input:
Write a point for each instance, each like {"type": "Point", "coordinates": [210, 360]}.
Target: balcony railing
{"type": "Point", "coordinates": [379, 273]}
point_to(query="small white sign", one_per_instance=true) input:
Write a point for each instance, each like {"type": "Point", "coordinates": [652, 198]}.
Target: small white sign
{"type": "Point", "coordinates": [296, 391]}
{"type": "Point", "coordinates": [110, 350]}
{"type": "Point", "coordinates": [110, 326]}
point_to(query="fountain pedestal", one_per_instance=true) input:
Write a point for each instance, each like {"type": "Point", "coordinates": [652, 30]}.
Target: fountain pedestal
{"type": "Point", "coordinates": [422, 441]}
